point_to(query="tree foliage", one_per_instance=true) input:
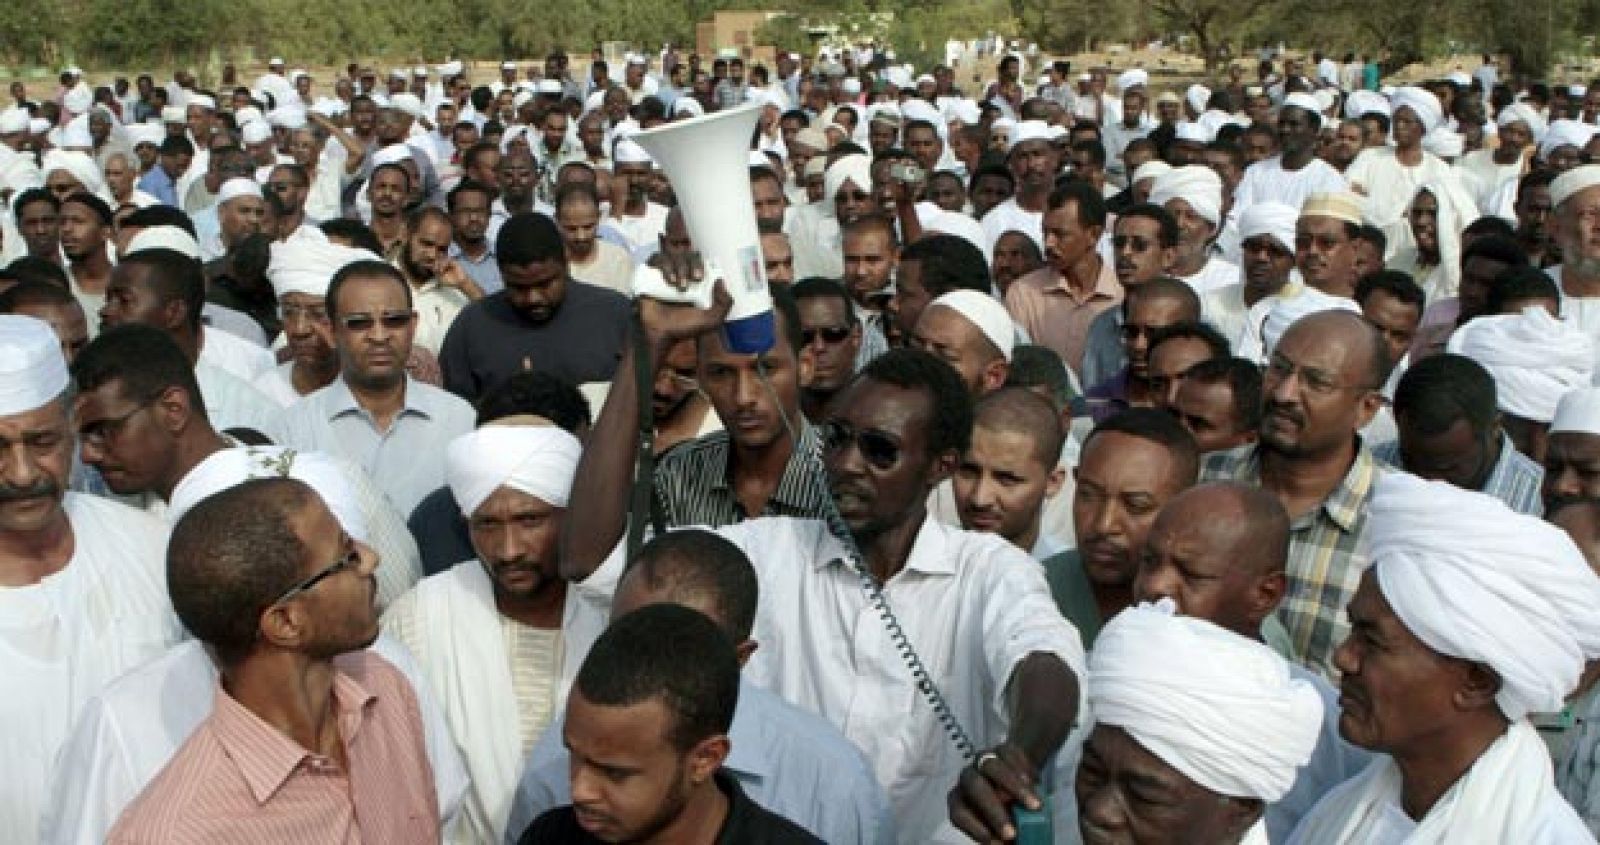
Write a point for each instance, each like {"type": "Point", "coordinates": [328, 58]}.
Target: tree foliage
{"type": "Point", "coordinates": [131, 34]}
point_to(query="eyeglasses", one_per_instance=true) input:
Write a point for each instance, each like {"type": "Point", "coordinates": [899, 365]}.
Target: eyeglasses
{"type": "Point", "coordinates": [1280, 368]}
{"type": "Point", "coordinates": [1121, 242]}
{"type": "Point", "coordinates": [1134, 331]}
{"type": "Point", "coordinates": [101, 432]}
{"type": "Point", "coordinates": [315, 313]}
{"type": "Point", "coordinates": [280, 187]}
{"type": "Point", "coordinates": [829, 334]}
{"type": "Point", "coordinates": [351, 559]}
{"type": "Point", "coordinates": [392, 320]}
{"type": "Point", "coordinates": [879, 449]}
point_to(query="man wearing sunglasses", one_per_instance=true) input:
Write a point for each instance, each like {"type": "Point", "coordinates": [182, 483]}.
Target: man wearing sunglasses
{"type": "Point", "coordinates": [1320, 388]}
{"type": "Point", "coordinates": [374, 414]}
{"type": "Point", "coordinates": [264, 574]}
{"type": "Point", "coordinates": [1148, 309]}
{"type": "Point", "coordinates": [1144, 242]}
{"type": "Point", "coordinates": [81, 575]}
{"type": "Point", "coordinates": [973, 606]}
{"type": "Point", "coordinates": [833, 337]}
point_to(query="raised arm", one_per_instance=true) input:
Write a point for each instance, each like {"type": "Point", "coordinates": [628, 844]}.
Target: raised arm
{"type": "Point", "coordinates": [597, 512]}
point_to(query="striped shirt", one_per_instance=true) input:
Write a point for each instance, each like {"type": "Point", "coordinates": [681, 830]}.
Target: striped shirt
{"type": "Point", "coordinates": [239, 779]}
{"type": "Point", "coordinates": [1326, 553]}
{"type": "Point", "coordinates": [693, 483]}
{"type": "Point", "coordinates": [1514, 480]}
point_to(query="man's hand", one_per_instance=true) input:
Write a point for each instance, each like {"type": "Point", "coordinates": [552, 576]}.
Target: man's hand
{"type": "Point", "coordinates": [452, 276]}
{"type": "Point", "coordinates": [666, 323]}
{"type": "Point", "coordinates": [980, 803]}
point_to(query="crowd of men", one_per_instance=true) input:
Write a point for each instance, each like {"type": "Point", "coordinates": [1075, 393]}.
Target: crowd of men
{"type": "Point", "coordinates": [1205, 465]}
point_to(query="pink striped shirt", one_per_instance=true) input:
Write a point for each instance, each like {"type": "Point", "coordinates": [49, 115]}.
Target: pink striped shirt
{"type": "Point", "coordinates": [239, 779]}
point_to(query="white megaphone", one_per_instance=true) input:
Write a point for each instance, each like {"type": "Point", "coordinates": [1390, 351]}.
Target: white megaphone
{"type": "Point", "coordinates": [707, 161]}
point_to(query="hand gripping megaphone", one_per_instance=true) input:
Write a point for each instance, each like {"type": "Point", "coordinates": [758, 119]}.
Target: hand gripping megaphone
{"type": "Point", "coordinates": [707, 161]}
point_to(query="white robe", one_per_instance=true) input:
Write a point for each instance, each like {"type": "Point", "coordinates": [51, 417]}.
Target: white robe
{"type": "Point", "coordinates": [1389, 185]}
{"type": "Point", "coordinates": [1508, 795]}
{"type": "Point", "coordinates": [66, 637]}
{"type": "Point", "coordinates": [1007, 217]}
{"type": "Point", "coordinates": [134, 727]}
{"type": "Point", "coordinates": [817, 243]}
{"type": "Point", "coordinates": [450, 623]}
{"type": "Point", "coordinates": [234, 355]}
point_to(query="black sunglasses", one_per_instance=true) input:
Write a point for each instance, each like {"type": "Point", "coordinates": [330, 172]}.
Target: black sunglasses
{"type": "Point", "coordinates": [392, 320]}
{"type": "Point", "coordinates": [877, 448]}
{"type": "Point", "coordinates": [829, 335]}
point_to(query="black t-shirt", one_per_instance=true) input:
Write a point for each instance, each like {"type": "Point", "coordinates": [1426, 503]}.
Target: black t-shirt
{"type": "Point", "coordinates": [748, 823]}
{"type": "Point", "coordinates": [489, 341]}
{"type": "Point", "coordinates": [441, 532]}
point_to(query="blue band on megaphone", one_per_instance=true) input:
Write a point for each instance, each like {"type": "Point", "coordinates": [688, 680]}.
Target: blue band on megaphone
{"type": "Point", "coordinates": [751, 335]}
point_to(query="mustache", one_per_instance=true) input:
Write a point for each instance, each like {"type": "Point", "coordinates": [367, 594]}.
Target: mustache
{"type": "Point", "coordinates": [1561, 500]}
{"type": "Point", "coordinates": [1289, 411]}
{"type": "Point", "coordinates": [45, 487]}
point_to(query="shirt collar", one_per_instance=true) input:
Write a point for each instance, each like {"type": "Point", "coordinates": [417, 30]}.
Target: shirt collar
{"type": "Point", "coordinates": [343, 402]}
{"type": "Point", "coordinates": [799, 472]}
{"type": "Point", "coordinates": [1345, 503]}
{"type": "Point", "coordinates": [265, 756]}
{"type": "Point", "coordinates": [931, 552]}
{"type": "Point", "coordinates": [749, 753]}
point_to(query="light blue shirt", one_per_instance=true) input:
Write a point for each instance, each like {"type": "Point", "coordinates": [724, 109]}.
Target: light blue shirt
{"type": "Point", "coordinates": [789, 761]}
{"type": "Point", "coordinates": [407, 461]}
{"type": "Point", "coordinates": [1332, 762]}
{"type": "Point", "coordinates": [484, 271]}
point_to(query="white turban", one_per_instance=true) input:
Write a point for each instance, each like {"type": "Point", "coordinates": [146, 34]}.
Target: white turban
{"type": "Point", "coordinates": [1132, 78]}
{"type": "Point", "coordinates": [1423, 103]}
{"type": "Point", "coordinates": [306, 261]}
{"type": "Point", "coordinates": [33, 373]}
{"type": "Point", "coordinates": [329, 106]}
{"type": "Point", "coordinates": [38, 126]}
{"type": "Point", "coordinates": [236, 188]}
{"type": "Point", "coordinates": [79, 164]}
{"type": "Point", "coordinates": [1578, 412]}
{"type": "Point", "coordinates": [231, 467]}
{"type": "Point", "coordinates": [174, 114]}
{"type": "Point", "coordinates": [628, 151]}
{"type": "Point", "coordinates": [1029, 130]}
{"type": "Point", "coordinates": [164, 237]}
{"type": "Point", "coordinates": [75, 135]}
{"type": "Point", "coordinates": [18, 173]}
{"type": "Point", "coordinates": [203, 101]}
{"type": "Point", "coordinates": [1565, 133]}
{"type": "Point", "coordinates": [245, 115]}
{"type": "Point", "coordinates": [850, 85]}
{"type": "Point", "coordinates": [537, 460]}
{"type": "Point", "coordinates": [288, 117]}
{"type": "Point", "coordinates": [1288, 310]}
{"type": "Point", "coordinates": [1222, 709]}
{"type": "Point", "coordinates": [965, 111]}
{"type": "Point", "coordinates": [1444, 143]}
{"type": "Point", "coordinates": [1273, 219]}
{"type": "Point", "coordinates": [1474, 580]}
{"type": "Point", "coordinates": [1191, 131]}
{"type": "Point", "coordinates": [1365, 102]}
{"type": "Point", "coordinates": [396, 153]}
{"type": "Point", "coordinates": [1525, 113]}
{"type": "Point", "coordinates": [688, 107]}
{"type": "Point", "coordinates": [255, 132]}
{"type": "Point", "coordinates": [1197, 96]}
{"type": "Point", "coordinates": [1195, 184]}
{"type": "Point", "coordinates": [850, 168]}
{"type": "Point", "coordinates": [1535, 359]}
{"type": "Point", "coordinates": [1152, 169]}
{"type": "Point", "coordinates": [987, 314]}
{"type": "Point", "coordinates": [1302, 100]}
{"type": "Point", "coordinates": [146, 133]}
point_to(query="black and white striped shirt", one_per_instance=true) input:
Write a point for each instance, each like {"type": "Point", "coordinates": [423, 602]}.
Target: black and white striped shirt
{"type": "Point", "coordinates": [693, 486]}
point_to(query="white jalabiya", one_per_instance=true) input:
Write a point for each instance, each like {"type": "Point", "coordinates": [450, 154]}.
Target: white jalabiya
{"type": "Point", "coordinates": [436, 306]}
{"type": "Point", "coordinates": [1216, 274]}
{"type": "Point", "coordinates": [238, 357]}
{"type": "Point", "coordinates": [233, 403]}
{"type": "Point", "coordinates": [450, 623]}
{"type": "Point", "coordinates": [1009, 216]}
{"type": "Point", "coordinates": [131, 729]}
{"type": "Point", "coordinates": [1456, 211]}
{"type": "Point", "coordinates": [1389, 185]}
{"type": "Point", "coordinates": [66, 637]}
{"type": "Point", "coordinates": [1507, 796]}
{"type": "Point", "coordinates": [816, 240]}
{"type": "Point", "coordinates": [609, 267]}
{"type": "Point", "coordinates": [1268, 181]}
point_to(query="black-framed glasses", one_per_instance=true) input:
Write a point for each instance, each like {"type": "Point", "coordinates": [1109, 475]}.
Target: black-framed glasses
{"type": "Point", "coordinates": [829, 334]}
{"type": "Point", "coordinates": [351, 559]}
{"type": "Point", "coordinates": [879, 449]}
{"type": "Point", "coordinates": [1280, 369]}
{"type": "Point", "coordinates": [1121, 242]}
{"type": "Point", "coordinates": [101, 432]}
{"type": "Point", "coordinates": [1134, 331]}
{"type": "Point", "coordinates": [391, 320]}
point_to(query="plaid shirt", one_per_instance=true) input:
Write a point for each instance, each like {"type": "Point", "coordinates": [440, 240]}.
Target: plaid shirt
{"type": "Point", "coordinates": [1514, 480]}
{"type": "Point", "coordinates": [1326, 553]}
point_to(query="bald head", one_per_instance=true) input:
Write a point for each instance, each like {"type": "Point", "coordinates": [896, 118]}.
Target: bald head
{"type": "Point", "coordinates": [1018, 410]}
{"type": "Point", "coordinates": [1218, 550]}
{"type": "Point", "coordinates": [1368, 356]}
{"type": "Point", "coordinates": [1166, 289]}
